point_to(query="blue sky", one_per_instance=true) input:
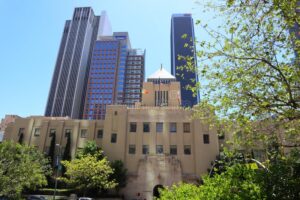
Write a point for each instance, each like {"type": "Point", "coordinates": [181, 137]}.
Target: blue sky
{"type": "Point", "coordinates": [31, 31]}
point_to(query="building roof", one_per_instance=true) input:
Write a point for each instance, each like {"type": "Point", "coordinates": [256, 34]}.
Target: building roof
{"type": "Point", "coordinates": [161, 74]}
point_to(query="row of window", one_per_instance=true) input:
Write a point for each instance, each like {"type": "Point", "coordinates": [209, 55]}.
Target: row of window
{"type": "Point", "coordinates": [160, 149]}
{"type": "Point", "coordinates": [159, 127]}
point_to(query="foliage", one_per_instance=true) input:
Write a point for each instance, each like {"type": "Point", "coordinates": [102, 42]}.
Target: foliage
{"type": "Point", "coordinates": [181, 191]}
{"type": "Point", "coordinates": [67, 153]}
{"type": "Point", "coordinates": [21, 167]}
{"type": "Point", "coordinates": [90, 148]}
{"type": "Point", "coordinates": [51, 152]}
{"type": "Point", "coordinates": [87, 172]}
{"type": "Point", "coordinates": [119, 175]}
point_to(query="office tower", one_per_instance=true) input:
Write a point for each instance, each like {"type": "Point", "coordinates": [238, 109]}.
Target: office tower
{"type": "Point", "coordinates": [107, 77]}
{"type": "Point", "coordinates": [183, 25]}
{"type": "Point", "coordinates": [134, 76]}
{"type": "Point", "coordinates": [66, 95]}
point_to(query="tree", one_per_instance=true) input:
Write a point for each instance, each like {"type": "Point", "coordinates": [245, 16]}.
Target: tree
{"type": "Point", "coordinates": [119, 175]}
{"type": "Point", "coordinates": [251, 67]}
{"type": "Point", "coordinates": [21, 167]}
{"type": "Point", "coordinates": [90, 148]}
{"type": "Point", "coordinates": [51, 153]}
{"type": "Point", "coordinates": [87, 172]}
{"type": "Point", "coordinates": [67, 153]}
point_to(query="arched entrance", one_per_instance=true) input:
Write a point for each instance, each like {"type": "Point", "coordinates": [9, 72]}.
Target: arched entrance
{"type": "Point", "coordinates": [156, 190]}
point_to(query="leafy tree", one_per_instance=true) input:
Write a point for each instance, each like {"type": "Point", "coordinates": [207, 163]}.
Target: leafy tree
{"type": "Point", "coordinates": [21, 167]}
{"type": "Point", "coordinates": [119, 175]}
{"type": "Point", "coordinates": [87, 172]}
{"type": "Point", "coordinates": [51, 153]}
{"type": "Point", "coordinates": [67, 153]}
{"type": "Point", "coordinates": [182, 191]}
{"type": "Point", "coordinates": [90, 148]}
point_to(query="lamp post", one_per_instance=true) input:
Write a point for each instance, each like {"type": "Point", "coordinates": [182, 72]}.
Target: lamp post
{"type": "Point", "coordinates": [57, 165]}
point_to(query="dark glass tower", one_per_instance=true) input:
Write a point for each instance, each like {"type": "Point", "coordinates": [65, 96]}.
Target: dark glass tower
{"type": "Point", "coordinates": [183, 25]}
{"type": "Point", "coordinates": [67, 91]}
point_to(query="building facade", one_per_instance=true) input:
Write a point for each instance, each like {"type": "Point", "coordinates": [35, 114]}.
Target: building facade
{"type": "Point", "coordinates": [67, 90]}
{"type": "Point", "coordinates": [182, 33]}
{"type": "Point", "coordinates": [160, 144]}
{"type": "Point", "coordinates": [116, 75]}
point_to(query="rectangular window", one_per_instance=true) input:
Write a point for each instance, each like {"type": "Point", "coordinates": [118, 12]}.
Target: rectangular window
{"type": "Point", "coordinates": [145, 149]}
{"type": "Point", "coordinates": [186, 127]}
{"type": "Point", "coordinates": [37, 132]}
{"type": "Point", "coordinates": [83, 133]}
{"type": "Point", "coordinates": [187, 149]}
{"type": "Point", "coordinates": [159, 127]}
{"type": "Point", "coordinates": [173, 150]}
{"type": "Point", "coordinates": [52, 132]}
{"type": "Point", "coordinates": [68, 133]}
{"type": "Point", "coordinates": [100, 133]}
{"type": "Point", "coordinates": [173, 127]}
{"type": "Point", "coordinates": [131, 149]}
{"type": "Point", "coordinates": [21, 131]}
{"type": "Point", "coordinates": [113, 138]}
{"type": "Point", "coordinates": [146, 127]}
{"type": "Point", "coordinates": [206, 139]}
{"type": "Point", "coordinates": [132, 127]}
{"type": "Point", "coordinates": [159, 149]}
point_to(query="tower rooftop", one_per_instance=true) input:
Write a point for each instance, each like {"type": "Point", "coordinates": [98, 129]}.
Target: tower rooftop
{"type": "Point", "coordinates": [161, 74]}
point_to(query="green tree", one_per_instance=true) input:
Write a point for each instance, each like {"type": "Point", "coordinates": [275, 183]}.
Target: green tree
{"type": "Point", "coordinates": [87, 172]}
{"type": "Point", "coordinates": [67, 153]}
{"type": "Point", "coordinates": [119, 174]}
{"type": "Point", "coordinates": [90, 148]}
{"type": "Point", "coordinates": [51, 153]}
{"type": "Point", "coordinates": [21, 167]}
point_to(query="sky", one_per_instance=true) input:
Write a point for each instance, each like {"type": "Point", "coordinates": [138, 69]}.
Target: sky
{"type": "Point", "coordinates": [31, 31]}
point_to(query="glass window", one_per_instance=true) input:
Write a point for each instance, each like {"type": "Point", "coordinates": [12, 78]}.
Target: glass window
{"type": "Point", "coordinates": [37, 132]}
{"type": "Point", "coordinates": [113, 138]}
{"type": "Point", "coordinates": [173, 150]}
{"type": "Point", "coordinates": [100, 133]}
{"type": "Point", "coordinates": [173, 127]}
{"type": "Point", "coordinates": [187, 149]}
{"type": "Point", "coordinates": [132, 127]}
{"type": "Point", "coordinates": [83, 133]}
{"type": "Point", "coordinates": [206, 139]}
{"type": "Point", "coordinates": [159, 127]}
{"type": "Point", "coordinates": [186, 127]}
{"type": "Point", "coordinates": [131, 149]}
{"type": "Point", "coordinates": [146, 127]}
{"type": "Point", "coordinates": [68, 132]}
{"type": "Point", "coordinates": [52, 132]}
{"type": "Point", "coordinates": [145, 149]}
{"type": "Point", "coordinates": [159, 149]}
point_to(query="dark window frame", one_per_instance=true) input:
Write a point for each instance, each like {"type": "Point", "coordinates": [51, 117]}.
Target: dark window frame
{"type": "Point", "coordinates": [206, 138]}
{"type": "Point", "coordinates": [187, 149]}
{"type": "Point", "coordinates": [132, 127]}
{"type": "Point", "coordinates": [185, 129]}
{"type": "Point", "coordinates": [113, 138]}
{"type": "Point", "coordinates": [145, 125]}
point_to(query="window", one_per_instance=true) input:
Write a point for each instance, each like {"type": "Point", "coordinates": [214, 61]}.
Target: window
{"type": "Point", "coordinates": [146, 127]}
{"type": "Point", "coordinates": [159, 127]}
{"type": "Point", "coordinates": [173, 127]}
{"type": "Point", "coordinates": [83, 133]}
{"type": "Point", "coordinates": [186, 127]}
{"type": "Point", "coordinates": [116, 112]}
{"type": "Point", "coordinates": [145, 149]}
{"type": "Point", "coordinates": [37, 132]}
{"type": "Point", "coordinates": [52, 132]}
{"type": "Point", "coordinates": [187, 149]}
{"type": "Point", "coordinates": [173, 150]}
{"type": "Point", "coordinates": [100, 133]}
{"type": "Point", "coordinates": [206, 139]}
{"type": "Point", "coordinates": [21, 131]}
{"type": "Point", "coordinates": [132, 127]}
{"type": "Point", "coordinates": [159, 149]}
{"type": "Point", "coordinates": [131, 149]}
{"type": "Point", "coordinates": [113, 138]}
{"type": "Point", "coordinates": [67, 133]}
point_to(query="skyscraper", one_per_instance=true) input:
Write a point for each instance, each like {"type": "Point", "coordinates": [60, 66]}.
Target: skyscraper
{"type": "Point", "coordinates": [110, 79]}
{"type": "Point", "coordinates": [182, 33]}
{"type": "Point", "coordinates": [66, 95]}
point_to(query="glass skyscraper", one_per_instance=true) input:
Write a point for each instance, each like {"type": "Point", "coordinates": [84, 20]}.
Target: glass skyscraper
{"type": "Point", "coordinates": [183, 25]}
{"type": "Point", "coordinates": [67, 91]}
{"type": "Point", "coordinates": [107, 76]}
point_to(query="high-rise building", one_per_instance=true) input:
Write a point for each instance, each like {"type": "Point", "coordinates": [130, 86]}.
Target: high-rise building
{"type": "Point", "coordinates": [182, 33]}
{"type": "Point", "coordinates": [110, 79]}
{"type": "Point", "coordinates": [67, 91]}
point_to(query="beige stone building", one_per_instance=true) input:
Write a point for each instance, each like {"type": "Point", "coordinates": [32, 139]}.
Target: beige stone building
{"type": "Point", "coordinates": [158, 141]}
